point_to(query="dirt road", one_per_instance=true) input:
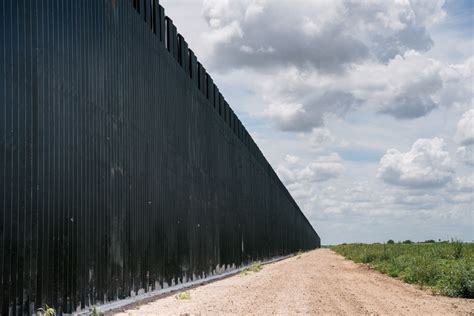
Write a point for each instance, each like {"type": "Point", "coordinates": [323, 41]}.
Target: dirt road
{"type": "Point", "coordinates": [319, 282]}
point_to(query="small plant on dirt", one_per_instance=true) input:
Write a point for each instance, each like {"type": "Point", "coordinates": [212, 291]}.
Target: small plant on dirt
{"type": "Point", "coordinates": [95, 311]}
{"type": "Point", "coordinates": [183, 296]}
{"type": "Point", "coordinates": [46, 311]}
{"type": "Point", "coordinates": [254, 267]}
{"type": "Point", "coordinates": [298, 254]}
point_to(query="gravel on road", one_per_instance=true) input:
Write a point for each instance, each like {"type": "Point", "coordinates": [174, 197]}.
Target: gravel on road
{"type": "Point", "coordinates": [317, 282]}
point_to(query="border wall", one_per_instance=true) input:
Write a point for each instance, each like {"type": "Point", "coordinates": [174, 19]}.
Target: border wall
{"type": "Point", "coordinates": [122, 167]}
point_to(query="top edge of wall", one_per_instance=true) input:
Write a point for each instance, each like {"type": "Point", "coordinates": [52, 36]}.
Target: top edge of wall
{"type": "Point", "coordinates": [163, 27]}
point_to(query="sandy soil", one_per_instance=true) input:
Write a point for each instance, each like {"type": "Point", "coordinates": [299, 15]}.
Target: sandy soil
{"type": "Point", "coordinates": [319, 282]}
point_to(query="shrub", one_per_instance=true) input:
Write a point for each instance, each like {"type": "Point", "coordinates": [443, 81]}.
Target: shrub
{"type": "Point", "coordinates": [457, 280]}
{"type": "Point", "coordinates": [422, 271]}
{"type": "Point", "coordinates": [408, 241]}
{"type": "Point", "coordinates": [457, 249]}
{"type": "Point", "coordinates": [368, 258]}
{"type": "Point", "coordinates": [390, 242]}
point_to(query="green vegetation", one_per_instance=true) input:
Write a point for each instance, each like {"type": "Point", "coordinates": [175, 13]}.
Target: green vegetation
{"type": "Point", "coordinates": [46, 311]}
{"type": "Point", "coordinates": [49, 311]}
{"type": "Point", "coordinates": [254, 267]}
{"type": "Point", "coordinates": [445, 267]}
{"type": "Point", "coordinates": [95, 311]}
{"type": "Point", "coordinates": [183, 296]}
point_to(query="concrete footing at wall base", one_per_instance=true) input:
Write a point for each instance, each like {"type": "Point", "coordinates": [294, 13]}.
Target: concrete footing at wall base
{"type": "Point", "coordinates": [140, 299]}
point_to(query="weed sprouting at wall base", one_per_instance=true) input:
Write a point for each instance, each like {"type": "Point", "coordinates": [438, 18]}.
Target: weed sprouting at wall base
{"type": "Point", "coordinates": [254, 267]}
{"type": "Point", "coordinates": [95, 311]}
{"type": "Point", "coordinates": [46, 311]}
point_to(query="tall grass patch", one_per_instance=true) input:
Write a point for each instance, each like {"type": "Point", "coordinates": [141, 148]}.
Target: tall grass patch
{"type": "Point", "coordinates": [446, 267]}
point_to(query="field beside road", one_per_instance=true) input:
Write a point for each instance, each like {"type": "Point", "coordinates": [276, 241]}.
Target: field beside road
{"type": "Point", "coordinates": [446, 267]}
{"type": "Point", "coordinates": [316, 282]}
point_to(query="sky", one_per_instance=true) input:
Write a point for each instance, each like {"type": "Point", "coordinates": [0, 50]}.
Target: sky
{"type": "Point", "coordinates": [365, 109]}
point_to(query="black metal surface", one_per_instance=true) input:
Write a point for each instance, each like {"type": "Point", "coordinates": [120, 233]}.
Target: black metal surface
{"type": "Point", "coordinates": [122, 167]}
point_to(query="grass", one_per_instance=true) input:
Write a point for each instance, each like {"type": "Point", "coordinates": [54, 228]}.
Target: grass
{"type": "Point", "coordinates": [446, 267]}
{"type": "Point", "coordinates": [183, 296]}
{"type": "Point", "coordinates": [49, 311]}
{"type": "Point", "coordinates": [254, 267]}
{"type": "Point", "coordinates": [95, 311]}
{"type": "Point", "coordinates": [46, 311]}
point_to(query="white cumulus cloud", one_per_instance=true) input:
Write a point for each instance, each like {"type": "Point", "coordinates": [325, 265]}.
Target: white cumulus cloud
{"type": "Point", "coordinates": [328, 35]}
{"type": "Point", "coordinates": [409, 86]}
{"type": "Point", "coordinates": [293, 170]}
{"type": "Point", "coordinates": [465, 130]}
{"type": "Point", "coordinates": [465, 137]}
{"type": "Point", "coordinates": [427, 164]}
{"type": "Point", "coordinates": [465, 154]}
{"type": "Point", "coordinates": [313, 58]}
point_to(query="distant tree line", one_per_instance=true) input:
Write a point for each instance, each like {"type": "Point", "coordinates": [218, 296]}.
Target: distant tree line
{"type": "Point", "coordinates": [428, 241]}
